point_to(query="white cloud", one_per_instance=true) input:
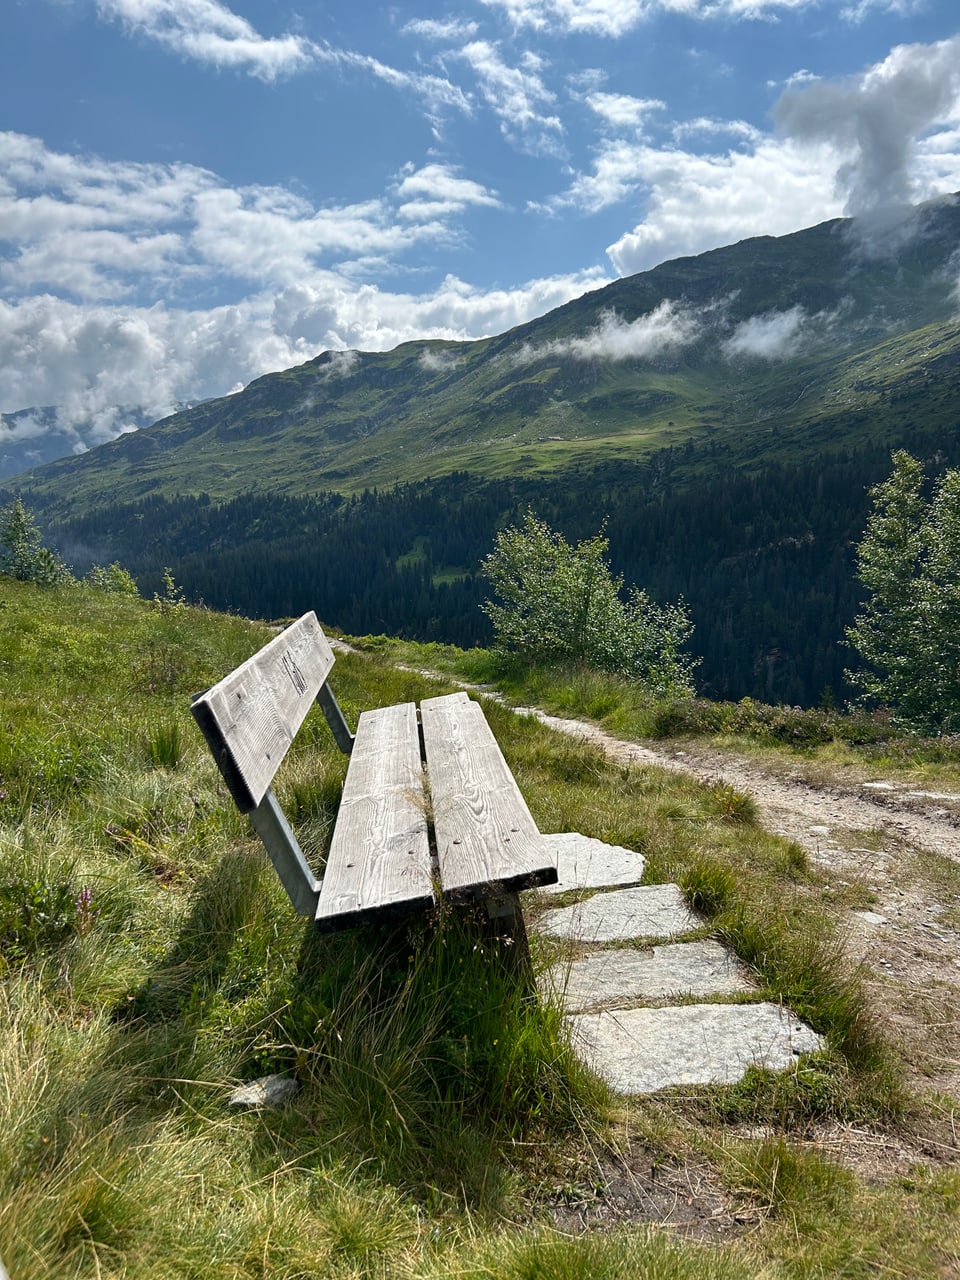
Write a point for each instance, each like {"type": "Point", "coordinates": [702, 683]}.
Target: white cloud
{"type": "Point", "coordinates": [773, 336]}
{"type": "Point", "coordinates": [664, 329]}
{"type": "Point", "coordinates": [438, 361]}
{"type": "Point", "coordinates": [335, 314]}
{"type": "Point", "coordinates": [517, 95]}
{"type": "Point", "coordinates": [126, 243]}
{"type": "Point", "coordinates": [209, 32]}
{"type": "Point", "coordinates": [438, 190]}
{"type": "Point", "coordinates": [863, 146]}
{"type": "Point", "coordinates": [89, 359]}
{"type": "Point", "coordinates": [876, 120]}
{"type": "Point", "coordinates": [437, 93]}
{"type": "Point", "coordinates": [697, 202]}
{"type": "Point", "coordinates": [616, 17]}
{"type": "Point", "coordinates": [622, 111]}
{"type": "Point", "coordinates": [109, 231]}
{"type": "Point", "coordinates": [448, 30]}
{"type": "Point", "coordinates": [903, 8]}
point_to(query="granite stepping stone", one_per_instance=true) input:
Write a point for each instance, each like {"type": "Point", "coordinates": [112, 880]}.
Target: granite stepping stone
{"type": "Point", "coordinates": [648, 911]}
{"type": "Point", "coordinates": [643, 1050]}
{"type": "Point", "coordinates": [586, 863]}
{"type": "Point", "coordinates": [625, 976]}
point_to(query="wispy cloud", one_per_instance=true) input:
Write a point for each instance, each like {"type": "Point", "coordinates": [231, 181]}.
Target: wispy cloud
{"type": "Point", "coordinates": [518, 95]}
{"type": "Point", "coordinates": [447, 30]}
{"type": "Point", "coordinates": [621, 110]}
{"type": "Point", "coordinates": [102, 230]}
{"type": "Point", "coordinates": [209, 32]}
{"type": "Point", "coordinates": [773, 336]}
{"type": "Point", "coordinates": [866, 145]}
{"type": "Point", "coordinates": [437, 93]}
{"type": "Point", "coordinates": [615, 18]}
{"type": "Point", "coordinates": [438, 361]}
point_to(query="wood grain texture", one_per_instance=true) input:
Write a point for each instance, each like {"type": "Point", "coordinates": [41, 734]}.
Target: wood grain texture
{"type": "Point", "coordinates": [487, 840]}
{"type": "Point", "coordinates": [379, 861]}
{"type": "Point", "coordinates": [251, 717]}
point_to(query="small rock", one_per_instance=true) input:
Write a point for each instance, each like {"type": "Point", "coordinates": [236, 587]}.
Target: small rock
{"type": "Point", "coordinates": [268, 1091]}
{"type": "Point", "coordinates": [870, 917]}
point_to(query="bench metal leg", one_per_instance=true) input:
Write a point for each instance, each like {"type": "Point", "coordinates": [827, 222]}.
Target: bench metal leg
{"type": "Point", "coordinates": [506, 924]}
{"type": "Point", "coordinates": [270, 824]}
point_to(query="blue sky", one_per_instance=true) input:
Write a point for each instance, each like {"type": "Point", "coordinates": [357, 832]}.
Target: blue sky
{"type": "Point", "coordinates": [195, 192]}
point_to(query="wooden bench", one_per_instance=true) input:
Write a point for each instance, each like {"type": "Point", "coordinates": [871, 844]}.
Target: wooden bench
{"type": "Point", "coordinates": [429, 805]}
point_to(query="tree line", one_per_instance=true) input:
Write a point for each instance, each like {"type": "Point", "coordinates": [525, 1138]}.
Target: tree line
{"type": "Point", "coordinates": [764, 562]}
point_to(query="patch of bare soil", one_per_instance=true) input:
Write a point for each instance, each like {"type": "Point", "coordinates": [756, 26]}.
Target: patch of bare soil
{"type": "Point", "coordinates": [638, 1185]}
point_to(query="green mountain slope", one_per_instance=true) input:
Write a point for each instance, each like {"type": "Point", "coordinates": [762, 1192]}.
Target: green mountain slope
{"type": "Point", "coordinates": [774, 348]}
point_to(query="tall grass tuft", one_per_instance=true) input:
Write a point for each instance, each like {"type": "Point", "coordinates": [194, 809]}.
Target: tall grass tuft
{"type": "Point", "coordinates": [164, 745]}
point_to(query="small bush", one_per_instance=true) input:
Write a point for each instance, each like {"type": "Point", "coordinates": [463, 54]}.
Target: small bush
{"type": "Point", "coordinates": [114, 579]}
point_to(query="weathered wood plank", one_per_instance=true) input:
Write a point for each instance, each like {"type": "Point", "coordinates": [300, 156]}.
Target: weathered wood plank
{"type": "Point", "coordinates": [251, 716]}
{"type": "Point", "coordinates": [487, 840]}
{"type": "Point", "coordinates": [379, 861]}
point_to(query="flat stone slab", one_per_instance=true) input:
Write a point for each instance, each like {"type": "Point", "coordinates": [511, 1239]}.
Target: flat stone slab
{"type": "Point", "coordinates": [643, 1050]}
{"type": "Point", "coordinates": [625, 976]}
{"type": "Point", "coordinates": [586, 863]}
{"type": "Point", "coordinates": [649, 911]}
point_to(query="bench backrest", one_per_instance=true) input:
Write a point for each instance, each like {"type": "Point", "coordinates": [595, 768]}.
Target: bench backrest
{"type": "Point", "coordinates": [251, 716]}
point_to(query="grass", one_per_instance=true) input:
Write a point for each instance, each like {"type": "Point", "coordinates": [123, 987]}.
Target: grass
{"type": "Point", "coordinates": [149, 961]}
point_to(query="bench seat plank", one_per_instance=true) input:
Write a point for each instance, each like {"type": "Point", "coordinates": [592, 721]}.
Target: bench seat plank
{"type": "Point", "coordinates": [379, 860]}
{"type": "Point", "coordinates": [487, 840]}
{"type": "Point", "coordinates": [251, 717]}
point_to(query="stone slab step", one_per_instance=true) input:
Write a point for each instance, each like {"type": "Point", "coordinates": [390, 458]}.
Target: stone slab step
{"type": "Point", "coordinates": [648, 911]}
{"type": "Point", "coordinates": [623, 977]}
{"type": "Point", "coordinates": [586, 863]}
{"type": "Point", "coordinates": [643, 1050]}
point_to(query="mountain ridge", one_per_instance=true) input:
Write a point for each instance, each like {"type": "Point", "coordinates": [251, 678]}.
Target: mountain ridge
{"type": "Point", "coordinates": [806, 330]}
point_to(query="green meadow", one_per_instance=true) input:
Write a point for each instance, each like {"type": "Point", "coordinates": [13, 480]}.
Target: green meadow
{"type": "Point", "coordinates": [443, 1127]}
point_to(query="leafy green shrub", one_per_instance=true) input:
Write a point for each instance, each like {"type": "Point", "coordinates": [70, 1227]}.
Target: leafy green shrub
{"type": "Point", "coordinates": [173, 600]}
{"type": "Point", "coordinates": [114, 579]}
{"type": "Point", "coordinates": [560, 604]}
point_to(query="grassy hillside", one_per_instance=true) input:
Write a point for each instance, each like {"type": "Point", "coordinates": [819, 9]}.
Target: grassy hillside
{"type": "Point", "coordinates": [148, 961]}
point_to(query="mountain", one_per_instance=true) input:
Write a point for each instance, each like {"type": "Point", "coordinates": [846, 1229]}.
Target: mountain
{"type": "Point", "coordinates": [31, 437]}
{"type": "Point", "coordinates": [773, 347]}
{"type": "Point", "coordinates": [722, 415]}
